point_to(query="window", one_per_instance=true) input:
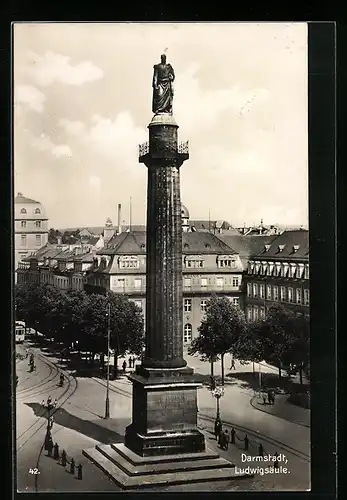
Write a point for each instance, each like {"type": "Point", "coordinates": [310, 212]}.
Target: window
{"type": "Point", "coordinates": [187, 335]}
{"type": "Point", "coordinates": [38, 239]}
{"type": "Point", "coordinates": [262, 291]}
{"type": "Point", "coordinates": [37, 211]}
{"type": "Point", "coordinates": [236, 301]}
{"type": "Point", "coordinates": [226, 263]}
{"type": "Point", "coordinates": [307, 297]}
{"type": "Point", "coordinates": [268, 292]}
{"type": "Point", "coordinates": [194, 263]}
{"type": "Point", "coordinates": [120, 283]}
{"type": "Point", "coordinates": [126, 264]}
{"type": "Point", "coordinates": [298, 295]}
{"type": "Point", "coordinates": [307, 272]}
{"type": "Point", "coordinates": [275, 293]}
{"type": "Point", "coordinates": [290, 294]}
{"type": "Point", "coordinates": [220, 281]}
{"type": "Point", "coordinates": [203, 305]}
{"type": "Point", "coordinates": [249, 314]}
{"type": "Point", "coordinates": [256, 312]}
{"type": "Point", "coordinates": [23, 239]}
{"type": "Point", "coordinates": [262, 312]}
{"type": "Point", "coordinates": [38, 223]}
{"type": "Point", "coordinates": [23, 211]}
{"type": "Point", "coordinates": [236, 281]}
{"type": "Point", "coordinates": [283, 293]}
{"type": "Point", "coordinates": [249, 289]}
{"type": "Point", "coordinates": [255, 290]}
{"type": "Point", "coordinates": [187, 282]}
{"type": "Point", "coordinates": [137, 283]}
{"type": "Point", "coordinates": [187, 305]}
{"type": "Point", "coordinates": [138, 303]}
{"type": "Point", "coordinates": [23, 223]}
{"type": "Point", "coordinates": [203, 282]}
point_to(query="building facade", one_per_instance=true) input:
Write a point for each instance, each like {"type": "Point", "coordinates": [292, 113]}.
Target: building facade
{"type": "Point", "coordinates": [279, 273]}
{"type": "Point", "coordinates": [209, 266]}
{"type": "Point", "coordinates": [30, 227]}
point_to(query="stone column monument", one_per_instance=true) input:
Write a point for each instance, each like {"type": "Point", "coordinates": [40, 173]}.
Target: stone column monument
{"type": "Point", "coordinates": [163, 444]}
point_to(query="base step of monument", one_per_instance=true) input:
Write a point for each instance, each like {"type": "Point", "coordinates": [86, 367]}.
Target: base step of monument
{"type": "Point", "coordinates": [129, 471]}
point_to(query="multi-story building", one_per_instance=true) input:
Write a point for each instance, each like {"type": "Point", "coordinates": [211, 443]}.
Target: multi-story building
{"type": "Point", "coordinates": [209, 266]}
{"type": "Point", "coordinates": [279, 273]}
{"type": "Point", "coordinates": [30, 227]}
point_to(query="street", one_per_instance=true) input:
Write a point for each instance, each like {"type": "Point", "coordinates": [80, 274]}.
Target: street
{"type": "Point", "coordinates": [79, 423]}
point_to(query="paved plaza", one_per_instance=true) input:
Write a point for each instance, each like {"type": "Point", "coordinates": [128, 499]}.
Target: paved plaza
{"type": "Point", "coordinates": [79, 424]}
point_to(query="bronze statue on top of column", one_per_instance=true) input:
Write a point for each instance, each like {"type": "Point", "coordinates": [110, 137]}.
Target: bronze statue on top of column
{"type": "Point", "coordinates": [163, 78]}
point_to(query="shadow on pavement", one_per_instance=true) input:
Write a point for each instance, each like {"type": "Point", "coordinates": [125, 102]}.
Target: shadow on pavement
{"type": "Point", "coordinates": [269, 381]}
{"type": "Point", "coordinates": [85, 427]}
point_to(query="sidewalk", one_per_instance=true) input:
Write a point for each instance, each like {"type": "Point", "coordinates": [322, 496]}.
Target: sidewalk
{"type": "Point", "coordinates": [283, 409]}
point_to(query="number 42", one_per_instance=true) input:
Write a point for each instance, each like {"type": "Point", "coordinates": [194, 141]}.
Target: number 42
{"type": "Point", "coordinates": [34, 471]}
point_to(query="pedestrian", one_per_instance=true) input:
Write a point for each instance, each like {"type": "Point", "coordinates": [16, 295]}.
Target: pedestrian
{"type": "Point", "coordinates": [273, 397]}
{"type": "Point", "coordinates": [49, 403]}
{"type": "Point", "coordinates": [72, 466]}
{"type": "Point", "coordinates": [51, 422]}
{"type": "Point", "coordinates": [232, 366]}
{"type": "Point", "coordinates": [226, 439]}
{"type": "Point", "coordinates": [264, 398]}
{"type": "Point", "coordinates": [217, 428]}
{"type": "Point", "coordinates": [55, 402]}
{"type": "Point", "coordinates": [26, 352]}
{"type": "Point", "coordinates": [56, 451]}
{"type": "Point", "coordinates": [63, 458]}
{"type": "Point", "coordinates": [269, 397]}
{"type": "Point", "coordinates": [221, 438]}
{"type": "Point", "coordinates": [16, 380]}
{"type": "Point", "coordinates": [124, 365]}
{"type": "Point", "coordinates": [212, 382]}
{"type": "Point", "coordinates": [61, 379]}
{"type": "Point", "coordinates": [79, 471]}
{"type": "Point", "coordinates": [50, 446]}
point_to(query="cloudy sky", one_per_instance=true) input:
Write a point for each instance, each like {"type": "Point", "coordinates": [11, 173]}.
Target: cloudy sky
{"type": "Point", "coordinates": [82, 103]}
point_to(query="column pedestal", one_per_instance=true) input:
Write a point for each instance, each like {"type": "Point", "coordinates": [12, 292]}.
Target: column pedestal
{"type": "Point", "coordinates": [164, 420]}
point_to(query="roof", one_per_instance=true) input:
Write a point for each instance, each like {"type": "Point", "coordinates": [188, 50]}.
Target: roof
{"type": "Point", "coordinates": [23, 199]}
{"type": "Point", "coordinates": [282, 246]}
{"type": "Point", "coordinates": [184, 211]}
{"type": "Point", "coordinates": [209, 225]}
{"type": "Point", "coordinates": [246, 246]}
{"type": "Point", "coordinates": [125, 243]}
{"type": "Point", "coordinates": [134, 242]}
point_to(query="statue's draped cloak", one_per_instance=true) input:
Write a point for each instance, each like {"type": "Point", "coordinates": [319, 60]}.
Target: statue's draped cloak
{"type": "Point", "coordinates": [163, 76]}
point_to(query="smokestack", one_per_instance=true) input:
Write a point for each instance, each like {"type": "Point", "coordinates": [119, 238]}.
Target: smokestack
{"type": "Point", "coordinates": [119, 218]}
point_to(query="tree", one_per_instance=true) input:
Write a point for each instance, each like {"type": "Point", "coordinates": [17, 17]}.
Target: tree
{"type": "Point", "coordinates": [276, 336]}
{"type": "Point", "coordinates": [249, 346]}
{"type": "Point", "coordinates": [300, 348]}
{"type": "Point", "coordinates": [53, 235]}
{"type": "Point", "coordinates": [126, 325]}
{"type": "Point", "coordinates": [220, 331]}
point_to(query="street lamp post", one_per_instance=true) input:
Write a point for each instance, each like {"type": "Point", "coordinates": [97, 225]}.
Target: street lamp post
{"type": "Point", "coordinates": [218, 392]}
{"type": "Point", "coordinates": [107, 402]}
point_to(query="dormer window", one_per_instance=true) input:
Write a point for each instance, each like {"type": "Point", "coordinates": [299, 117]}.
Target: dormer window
{"type": "Point", "coordinates": [295, 248]}
{"type": "Point", "coordinates": [207, 245]}
{"type": "Point", "coordinates": [128, 262]}
{"type": "Point", "coordinates": [143, 246]}
{"type": "Point", "coordinates": [267, 248]}
{"type": "Point", "coordinates": [281, 248]}
{"type": "Point", "coordinates": [23, 211]}
{"type": "Point", "coordinates": [186, 245]}
{"type": "Point", "coordinates": [37, 211]}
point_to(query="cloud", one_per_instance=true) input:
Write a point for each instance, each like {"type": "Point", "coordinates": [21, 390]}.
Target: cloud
{"type": "Point", "coordinates": [29, 95]}
{"type": "Point", "coordinates": [198, 108]}
{"type": "Point", "coordinates": [72, 127]}
{"type": "Point", "coordinates": [52, 67]}
{"type": "Point", "coordinates": [45, 144]}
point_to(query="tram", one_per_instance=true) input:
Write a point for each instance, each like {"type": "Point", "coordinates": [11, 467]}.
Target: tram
{"type": "Point", "coordinates": [20, 332]}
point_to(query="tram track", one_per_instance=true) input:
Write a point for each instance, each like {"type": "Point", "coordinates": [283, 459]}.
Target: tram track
{"type": "Point", "coordinates": [250, 432]}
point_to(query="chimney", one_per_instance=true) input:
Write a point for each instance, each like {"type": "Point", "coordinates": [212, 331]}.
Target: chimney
{"type": "Point", "coordinates": [119, 218]}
